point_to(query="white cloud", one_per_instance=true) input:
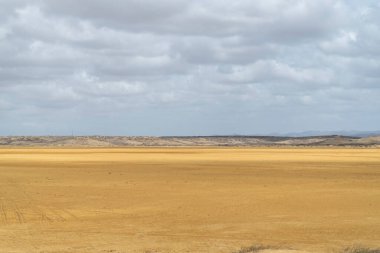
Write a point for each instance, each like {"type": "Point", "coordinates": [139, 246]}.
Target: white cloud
{"type": "Point", "coordinates": [269, 71]}
{"type": "Point", "coordinates": [343, 43]}
{"type": "Point", "coordinates": [190, 61]}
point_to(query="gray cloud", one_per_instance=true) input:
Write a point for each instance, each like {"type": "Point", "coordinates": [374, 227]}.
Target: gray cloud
{"type": "Point", "coordinates": [188, 67]}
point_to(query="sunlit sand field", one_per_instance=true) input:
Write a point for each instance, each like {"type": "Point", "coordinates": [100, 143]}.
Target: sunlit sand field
{"type": "Point", "coordinates": [188, 199]}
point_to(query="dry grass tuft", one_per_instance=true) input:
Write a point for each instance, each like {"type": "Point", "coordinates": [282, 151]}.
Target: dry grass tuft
{"type": "Point", "coordinates": [254, 248]}
{"type": "Point", "coordinates": [357, 249]}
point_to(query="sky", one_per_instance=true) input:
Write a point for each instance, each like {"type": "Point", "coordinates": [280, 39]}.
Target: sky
{"type": "Point", "coordinates": [179, 67]}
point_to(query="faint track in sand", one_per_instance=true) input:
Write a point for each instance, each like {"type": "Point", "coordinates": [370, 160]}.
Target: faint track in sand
{"type": "Point", "coordinates": [3, 212]}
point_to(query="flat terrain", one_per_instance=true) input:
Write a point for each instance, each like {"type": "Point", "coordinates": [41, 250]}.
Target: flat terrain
{"type": "Point", "coordinates": [188, 199]}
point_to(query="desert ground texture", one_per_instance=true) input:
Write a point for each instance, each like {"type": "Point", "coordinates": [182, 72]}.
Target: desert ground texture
{"type": "Point", "coordinates": [188, 199]}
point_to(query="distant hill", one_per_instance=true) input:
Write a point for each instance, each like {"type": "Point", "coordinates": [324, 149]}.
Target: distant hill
{"type": "Point", "coordinates": [343, 133]}
{"type": "Point", "coordinates": [147, 141]}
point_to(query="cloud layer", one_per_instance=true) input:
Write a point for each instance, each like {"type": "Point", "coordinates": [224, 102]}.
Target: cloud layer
{"type": "Point", "coordinates": [188, 67]}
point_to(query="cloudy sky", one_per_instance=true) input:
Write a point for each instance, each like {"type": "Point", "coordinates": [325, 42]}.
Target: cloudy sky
{"type": "Point", "coordinates": [179, 67]}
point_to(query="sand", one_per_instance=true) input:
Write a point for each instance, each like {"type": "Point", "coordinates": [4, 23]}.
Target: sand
{"type": "Point", "coordinates": [188, 199]}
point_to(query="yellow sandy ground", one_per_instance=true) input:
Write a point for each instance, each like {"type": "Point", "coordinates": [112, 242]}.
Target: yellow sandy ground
{"type": "Point", "coordinates": [187, 199]}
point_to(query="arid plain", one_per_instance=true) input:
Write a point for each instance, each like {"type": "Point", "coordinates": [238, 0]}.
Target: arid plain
{"type": "Point", "coordinates": [188, 199]}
